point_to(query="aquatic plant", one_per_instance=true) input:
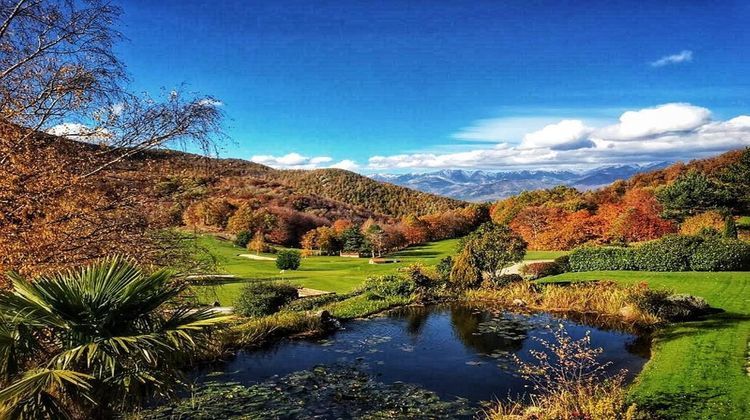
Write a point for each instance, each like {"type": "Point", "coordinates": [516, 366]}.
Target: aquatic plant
{"type": "Point", "coordinates": [321, 392]}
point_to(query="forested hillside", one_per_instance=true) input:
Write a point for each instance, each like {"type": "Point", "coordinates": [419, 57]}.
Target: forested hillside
{"type": "Point", "coordinates": [352, 188]}
{"type": "Point", "coordinates": [704, 194]}
{"type": "Point", "coordinates": [156, 189]}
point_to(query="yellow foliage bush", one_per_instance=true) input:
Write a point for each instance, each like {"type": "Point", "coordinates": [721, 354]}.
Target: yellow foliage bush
{"type": "Point", "coordinates": [709, 220]}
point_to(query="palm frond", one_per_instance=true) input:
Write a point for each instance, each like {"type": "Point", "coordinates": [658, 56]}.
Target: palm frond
{"type": "Point", "coordinates": [36, 381]}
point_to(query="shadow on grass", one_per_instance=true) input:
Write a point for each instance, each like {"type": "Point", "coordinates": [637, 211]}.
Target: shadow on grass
{"type": "Point", "coordinates": [717, 321]}
{"type": "Point", "coordinates": [675, 405]}
{"type": "Point", "coordinates": [417, 253]}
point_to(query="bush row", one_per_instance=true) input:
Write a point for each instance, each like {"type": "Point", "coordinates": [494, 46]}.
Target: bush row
{"type": "Point", "coordinates": [670, 253]}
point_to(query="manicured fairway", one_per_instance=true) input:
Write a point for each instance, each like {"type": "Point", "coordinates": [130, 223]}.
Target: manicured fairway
{"type": "Point", "coordinates": [335, 274]}
{"type": "Point", "coordinates": [697, 369]}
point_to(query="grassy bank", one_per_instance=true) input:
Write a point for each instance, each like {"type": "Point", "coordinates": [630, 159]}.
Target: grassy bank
{"type": "Point", "coordinates": [697, 369]}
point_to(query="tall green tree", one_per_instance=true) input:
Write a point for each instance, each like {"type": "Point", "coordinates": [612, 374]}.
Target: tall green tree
{"type": "Point", "coordinates": [485, 252]}
{"type": "Point", "coordinates": [354, 240]}
{"type": "Point", "coordinates": [94, 341]}
{"type": "Point", "coordinates": [691, 194]}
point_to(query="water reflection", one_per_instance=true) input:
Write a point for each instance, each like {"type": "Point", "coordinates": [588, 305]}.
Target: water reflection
{"type": "Point", "coordinates": [453, 350]}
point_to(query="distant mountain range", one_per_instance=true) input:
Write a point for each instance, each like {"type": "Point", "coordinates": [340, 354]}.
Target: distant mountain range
{"type": "Point", "coordinates": [481, 186]}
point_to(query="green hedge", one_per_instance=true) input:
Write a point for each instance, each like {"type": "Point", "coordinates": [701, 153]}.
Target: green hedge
{"type": "Point", "coordinates": [670, 253]}
{"type": "Point", "coordinates": [721, 255]}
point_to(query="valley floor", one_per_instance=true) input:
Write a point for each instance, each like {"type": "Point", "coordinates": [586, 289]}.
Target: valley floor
{"type": "Point", "coordinates": [698, 370]}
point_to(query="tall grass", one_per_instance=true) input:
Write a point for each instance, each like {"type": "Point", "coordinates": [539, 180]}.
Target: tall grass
{"type": "Point", "coordinates": [569, 382]}
{"type": "Point", "coordinates": [602, 298]}
{"type": "Point", "coordinates": [594, 401]}
{"type": "Point", "coordinates": [259, 331]}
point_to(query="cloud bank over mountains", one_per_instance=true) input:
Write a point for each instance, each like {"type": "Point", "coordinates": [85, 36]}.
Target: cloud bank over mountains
{"type": "Point", "coordinates": [673, 131]}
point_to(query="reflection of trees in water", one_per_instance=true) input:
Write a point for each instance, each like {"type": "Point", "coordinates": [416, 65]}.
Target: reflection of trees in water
{"type": "Point", "coordinates": [466, 323]}
{"type": "Point", "coordinates": [415, 316]}
{"type": "Point", "coordinates": [639, 346]}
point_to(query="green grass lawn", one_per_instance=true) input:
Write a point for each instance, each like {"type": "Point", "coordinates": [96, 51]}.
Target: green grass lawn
{"type": "Point", "coordinates": [335, 274]}
{"type": "Point", "coordinates": [697, 369]}
{"type": "Point", "coordinates": [544, 255]}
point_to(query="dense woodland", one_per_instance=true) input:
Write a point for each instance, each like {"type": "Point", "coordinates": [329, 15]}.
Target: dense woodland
{"type": "Point", "coordinates": [702, 194]}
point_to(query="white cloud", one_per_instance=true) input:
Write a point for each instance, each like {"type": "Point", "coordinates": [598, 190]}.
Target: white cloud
{"type": "Point", "coordinates": [501, 129]}
{"type": "Point", "coordinates": [320, 159]}
{"type": "Point", "coordinates": [683, 56]}
{"type": "Point", "coordinates": [564, 135]}
{"type": "Point", "coordinates": [80, 132]}
{"type": "Point", "coordinates": [656, 121]}
{"type": "Point", "coordinates": [297, 161]}
{"type": "Point", "coordinates": [347, 164]}
{"type": "Point", "coordinates": [674, 131]}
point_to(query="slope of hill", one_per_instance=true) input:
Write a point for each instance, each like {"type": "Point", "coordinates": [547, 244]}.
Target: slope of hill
{"type": "Point", "coordinates": [385, 198]}
{"type": "Point", "coordinates": [331, 188]}
{"type": "Point", "coordinates": [481, 186]}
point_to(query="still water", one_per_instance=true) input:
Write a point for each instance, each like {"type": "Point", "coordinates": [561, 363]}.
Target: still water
{"type": "Point", "coordinates": [453, 350]}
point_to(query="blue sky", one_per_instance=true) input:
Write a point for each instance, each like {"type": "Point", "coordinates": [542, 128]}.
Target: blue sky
{"type": "Point", "coordinates": [398, 86]}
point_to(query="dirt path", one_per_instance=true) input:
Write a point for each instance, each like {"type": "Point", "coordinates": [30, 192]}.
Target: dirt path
{"type": "Point", "coordinates": [257, 257]}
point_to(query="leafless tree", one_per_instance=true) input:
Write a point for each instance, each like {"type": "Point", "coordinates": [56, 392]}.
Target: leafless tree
{"type": "Point", "coordinates": [59, 74]}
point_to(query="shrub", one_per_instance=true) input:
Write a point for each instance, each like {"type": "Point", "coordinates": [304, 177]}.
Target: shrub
{"type": "Point", "coordinates": [563, 262]}
{"type": "Point", "coordinates": [669, 307]}
{"type": "Point", "coordinates": [264, 298]}
{"type": "Point", "coordinates": [501, 281]}
{"type": "Point", "coordinates": [288, 259]}
{"type": "Point", "coordinates": [670, 253]}
{"type": "Point", "coordinates": [242, 239]}
{"type": "Point", "coordinates": [444, 268]}
{"type": "Point", "coordinates": [389, 285]}
{"type": "Point", "coordinates": [602, 258]}
{"type": "Point", "coordinates": [721, 254]}
{"type": "Point", "coordinates": [569, 382]}
{"type": "Point", "coordinates": [538, 270]}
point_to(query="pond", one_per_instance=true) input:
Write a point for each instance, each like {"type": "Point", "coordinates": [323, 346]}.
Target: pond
{"type": "Point", "coordinates": [453, 352]}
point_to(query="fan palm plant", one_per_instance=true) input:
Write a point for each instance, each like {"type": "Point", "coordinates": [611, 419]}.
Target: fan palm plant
{"type": "Point", "coordinates": [90, 341]}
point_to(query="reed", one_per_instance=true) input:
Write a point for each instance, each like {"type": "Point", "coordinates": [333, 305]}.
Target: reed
{"type": "Point", "coordinates": [602, 298]}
